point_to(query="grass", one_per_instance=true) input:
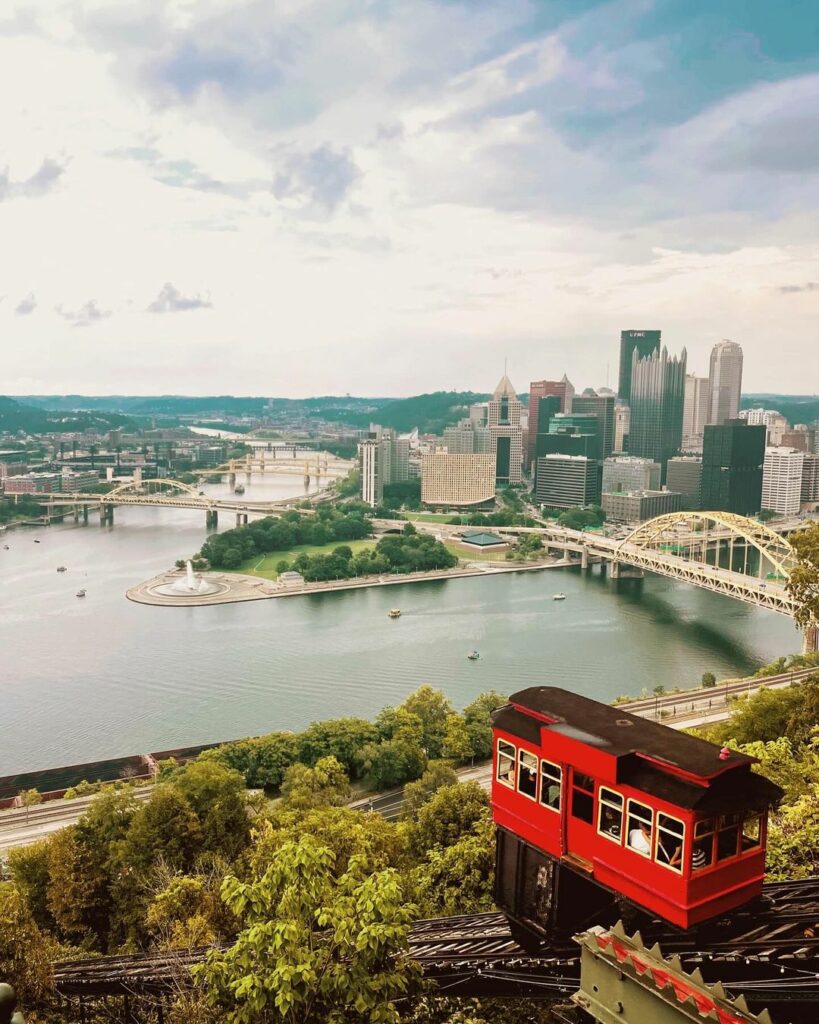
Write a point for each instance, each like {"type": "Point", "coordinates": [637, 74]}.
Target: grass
{"type": "Point", "coordinates": [265, 565]}
{"type": "Point", "coordinates": [427, 517]}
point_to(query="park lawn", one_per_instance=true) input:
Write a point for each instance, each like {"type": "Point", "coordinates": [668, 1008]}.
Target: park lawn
{"type": "Point", "coordinates": [265, 565]}
{"type": "Point", "coordinates": [427, 517]}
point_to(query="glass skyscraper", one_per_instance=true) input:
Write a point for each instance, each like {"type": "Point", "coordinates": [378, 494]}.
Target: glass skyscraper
{"type": "Point", "coordinates": [657, 395]}
{"type": "Point", "coordinates": [641, 342]}
{"type": "Point", "coordinates": [733, 454]}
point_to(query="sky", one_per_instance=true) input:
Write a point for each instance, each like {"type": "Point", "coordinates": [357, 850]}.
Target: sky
{"type": "Point", "coordinates": [382, 197]}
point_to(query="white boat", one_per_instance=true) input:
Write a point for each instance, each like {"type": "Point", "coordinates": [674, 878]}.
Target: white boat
{"type": "Point", "coordinates": [61, 568]}
{"type": "Point", "coordinates": [473, 655]}
{"type": "Point", "coordinates": [80, 593]}
{"type": "Point", "coordinates": [558, 597]}
{"type": "Point", "coordinates": [394, 613]}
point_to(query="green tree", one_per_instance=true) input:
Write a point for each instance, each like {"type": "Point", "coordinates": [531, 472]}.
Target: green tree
{"type": "Point", "coordinates": [324, 785]}
{"type": "Point", "coordinates": [30, 798]}
{"type": "Point", "coordinates": [803, 580]}
{"type": "Point", "coordinates": [709, 679]}
{"type": "Point", "coordinates": [29, 869]}
{"type": "Point", "coordinates": [457, 743]}
{"type": "Point", "coordinates": [314, 947]}
{"type": "Point", "coordinates": [767, 714]}
{"type": "Point", "coordinates": [391, 763]}
{"type": "Point", "coordinates": [341, 738]}
{"type": "Point", "coordinates": [451, 813]}
{"type": "Point", "coordinates": [477, 716]}
{"type": "Point", "coordinates": [432, 709]}
{"type": "Point", "coordinates": [165, 828]}
{"type": "Point", "coordinates": [25, 954]}
{"type": "Point", "coordinates": [458, 879]}
{"type": "Point", "coordinates": [217, 796]}
{"type": "Point", "coordinates": [416, 794]}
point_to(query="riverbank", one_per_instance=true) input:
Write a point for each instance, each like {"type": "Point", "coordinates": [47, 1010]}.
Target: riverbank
{"type": "Point", "coordinates": [233, 588]}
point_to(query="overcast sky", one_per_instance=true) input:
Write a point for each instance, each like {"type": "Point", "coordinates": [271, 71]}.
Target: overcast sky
{"type": "Point", "coordinates": [286, 197]}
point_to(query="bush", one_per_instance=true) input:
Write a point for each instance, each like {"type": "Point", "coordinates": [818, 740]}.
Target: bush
{"type": "Point", "coordinates": [709, 679]}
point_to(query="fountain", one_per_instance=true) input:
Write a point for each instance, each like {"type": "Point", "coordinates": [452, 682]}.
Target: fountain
{"type": "Point", "coordinates": [189, 585]}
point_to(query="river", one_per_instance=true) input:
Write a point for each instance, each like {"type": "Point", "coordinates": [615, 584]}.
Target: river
{"type": "Point", "coordinates": [96, 677]}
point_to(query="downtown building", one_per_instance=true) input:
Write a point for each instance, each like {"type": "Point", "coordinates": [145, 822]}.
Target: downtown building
{"type": "Point", "coordinates": [601, 406]}
{"type": "Point", "coordinates": [561, 390]}
{"type": "Point", "coordinates": [774, 422]}
{"type": "Point", "coordinates": [810, 479]}
{"type": "Point", "coordinates": [644, 343]}
{"type": "Point", "coordinates": [505, 433]}
{"type": "Point", "coordinates": [733, 454]}
{"type": "Point", "coordinates": [684, 475]}
{"type": "Point", "coordinates": [657, 393]}
{"type": "Point", "coordinates": [383, 458]}
{"type": "Point", "coordinates": [725, 379]}
{"type": "Point", "coordinates": [567, 481]}
{"type": "Point", "coordinates": [782, 480]}
{"type": "Point", "coordinates": [622, 423]}
{"type": "Point", "coordinates": [457, 480]}
{"type": "Point", "coordinates": [638, 506]}
{"type": "Point", "coordinates": [626, 473]}
{"type": "Point", "coordinates": [696, 411]}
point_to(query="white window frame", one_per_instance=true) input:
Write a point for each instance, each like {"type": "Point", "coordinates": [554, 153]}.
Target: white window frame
{"type": "Point", "coordinates": [521, 752]}
{"type": "Point", "coordinates": [514, 759]}
{"type": "Point", "coordinates": [559, 780]}
{"type": "Point", "coordinates": [676, 868]}
{"type": "Point", "coordinates": [627, 844]}
{"type": "Point", "coordinates": [603, 802]}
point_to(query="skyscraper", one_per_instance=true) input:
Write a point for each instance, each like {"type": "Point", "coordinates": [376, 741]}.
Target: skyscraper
{"type": "Point", "coordinates": [641, 342]}
{"type": "Point", "coordinates": [383, 458]}
{"type": "Point", "coordinates": [696, 410]}
{"type": "Point", "coordinates": [726, 381]}
{"type": "Point", "coordinates": [603, 408]}
{"type": "Point", "coordinates": [622, 422]}
{"type": "Point", "coordinates": [657, 388]}
{"type": "Point", "coordinates": [732, 457]}
{"type": "Point", "coordinates": [505, 432]}
{"type": "Point", "coordinates": [538, 389]}
{"type": "Point", "coordinates": [782, 480]}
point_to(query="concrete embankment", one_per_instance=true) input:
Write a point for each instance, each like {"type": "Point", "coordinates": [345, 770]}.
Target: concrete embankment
{"type": "Point", "coordinates": [235, 587]}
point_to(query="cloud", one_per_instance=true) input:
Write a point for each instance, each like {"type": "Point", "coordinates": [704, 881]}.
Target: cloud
{"type": "Point", "coordinates": [322, 177]}
{"type": "Point", "coordinates": [86, 315]}
{"type": "Point", "coordinates": [26, 305]}
{"type": "Point", "coordinates": [171, 300]}
{"type": "Point", "coordinates": [38, 184]}
{"type": "Point", "coordinates": [808, 286]}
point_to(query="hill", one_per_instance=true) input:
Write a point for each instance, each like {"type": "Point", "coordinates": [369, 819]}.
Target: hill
{"type": "Point", "coordinates": [16, 416]}
{"type": "Point", "coordinates": [430, 412]}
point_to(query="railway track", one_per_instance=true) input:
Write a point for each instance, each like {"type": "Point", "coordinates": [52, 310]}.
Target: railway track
{"type": "Point", "coordinates": [769, 952]}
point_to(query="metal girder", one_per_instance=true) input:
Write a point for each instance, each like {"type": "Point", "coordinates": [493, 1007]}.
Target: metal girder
{"type": "Point", "coordinates": [133, 486]}
{"type": "Point", "coordinates": [623, 982]}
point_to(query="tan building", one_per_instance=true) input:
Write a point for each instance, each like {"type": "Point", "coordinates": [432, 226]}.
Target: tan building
{"type": "Point", "coordinates": [460, 480]}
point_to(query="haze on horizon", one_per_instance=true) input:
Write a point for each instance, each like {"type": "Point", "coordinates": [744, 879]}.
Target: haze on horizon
{"type": "Point", "coordinates": [306, 198]}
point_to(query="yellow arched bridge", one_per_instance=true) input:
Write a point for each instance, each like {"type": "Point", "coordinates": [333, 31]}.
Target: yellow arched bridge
{"type": "Point", "coordinates": [164, 493]}
{"type": "Point", "coordinates": [718, 551]}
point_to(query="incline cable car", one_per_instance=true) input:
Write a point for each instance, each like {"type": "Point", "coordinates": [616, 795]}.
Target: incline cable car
{"type": "Point", "coordinates": [592, 804]}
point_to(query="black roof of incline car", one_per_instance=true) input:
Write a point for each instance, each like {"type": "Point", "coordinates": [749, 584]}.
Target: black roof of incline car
{"type": "Point", "coordinates": [632, 740]}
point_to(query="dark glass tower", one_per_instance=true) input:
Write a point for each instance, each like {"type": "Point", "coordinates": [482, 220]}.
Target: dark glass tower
{"type": "Point", "coordinates": [641, 342]}
{"type": "Point", "coordinates": [657, 394]}
{"type": "Point", "coordinates": [732, 457]}
{"type": "Point", "coordinates": [603, 408]}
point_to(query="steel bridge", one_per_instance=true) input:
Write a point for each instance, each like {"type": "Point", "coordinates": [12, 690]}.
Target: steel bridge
{"type": "Point", "coordinates": [319, 465]}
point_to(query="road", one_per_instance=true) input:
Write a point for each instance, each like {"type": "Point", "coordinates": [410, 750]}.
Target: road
{"type": "Point", "coordinates": [685, 710]}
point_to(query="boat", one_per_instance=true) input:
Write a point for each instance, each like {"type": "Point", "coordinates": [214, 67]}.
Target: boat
{"type": "Point", "coordinates": [394, 613]}
{"type": "Point", "coordinates": [558, 597]}
{"type": "Point", "coordinates": [473, 655]}
{"type": "Point", "coordinates": [80, 593]}
{"type": "Point", "coordinates": [5, 547]}
{"type": "Point", "coordinates": [61, 568]}
{"type": "Point", "coordinates": [36, 542]}
{"type": "Point", "coordinates": [239, 489]}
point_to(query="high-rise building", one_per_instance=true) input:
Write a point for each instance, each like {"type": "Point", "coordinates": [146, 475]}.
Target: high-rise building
{"type": "Point", "coordinates": [726, 381]}
{"type": "Point", "coordinates": [603, 408]}
{"type": "Point", "coordinates": [684, 475]}
{"type": "Point", "coordinates": [782, 480]}
{"type": "Point", "coordinates": [657, 389]}
{"type": "Point", "coordinates": [797, 439]}
{"type": "Point", "coordinates": [732, 457]}
{"type": "Point", "coordinates": [457, 479]}
{"type": "Point", "coordinates": [567, 481]}
{"type": "Point", "coordinates": [623, 473]}
{"type": "Point", "coordinates": [383, 458]}
{"type": "Point", "coordinates": [622, 421]}
{"type": "Point", "coordinates": [644, 343]}
{"type": "Point", "coordinates": [810, 478]}
{"type": "Point", "coordinates": [640, 505]}
{"type": "Point", "coordinates": [773, 421]}
{"type": "Point", "coordinates": [696, 410]}
{"type": "Point", "coordinates": [466, 438]}
{"type": "Point", "coordinates": [505, 432]}
{"type": "Point", "coordinates": [561, 389]}
{"type": "Point", "coordinates": [372, 480]}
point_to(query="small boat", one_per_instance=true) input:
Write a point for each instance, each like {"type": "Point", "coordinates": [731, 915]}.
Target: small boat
{"type": "Point", "coordinates": [5, 547]}
{"type": "Point", "coordinates": [394, 613]}
{"type": "Point", "coordinates": [239, 489]}
{"type": "Point", "coordinates": [36, 542]}
{"type": "Point", "coordinates": [61, 568]}
{"type": "Point", "coordinates": [473, 655]}
{"type": "Point", "coordinates": [558, 597]}
{"type": "Point", "coordinates": [80, 593]}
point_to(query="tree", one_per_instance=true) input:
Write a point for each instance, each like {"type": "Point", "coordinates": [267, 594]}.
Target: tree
{"type": "Point", "coordinates": [217, 797]}
{"type": "Point", "coordinates": [709, 679]}
{"type": "Point", "coordinates": [325, 785]}
{"type": "Point", "coordinates": [457, 743]}
{"type": "Point", "coordinates": [165, 828]}
{"type": "Point", "coordinates": [341, 738]}
{"type": "Point", "coordinates": [458, 879]}
{"type": "Point", "coordinates": [416, 794]}
{"type": "Point", "coordinates": [477, 716]}
{"type": "Point", "coordinates": [314, 947]}
{"type": "Point", "coordinates": [451, 813]}
{"type": "Point", "coordinates": [768, 714]}
{"type": "Point", "coordinates": [432, 708]}
{"type": "Point", "coordinates": [803, 580]}
{"type": "Point", "coordinates": [262, 760]}
{"type": "Point", "coordinates": [391, 763]}
{"type": "Point", "coordinates": [29, 869]}
{"type": "Point", "coordinates": [30, 798]}
{"type": "Point", "coordinates": [25, 954]}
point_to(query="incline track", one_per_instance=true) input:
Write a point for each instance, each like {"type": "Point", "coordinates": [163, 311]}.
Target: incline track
{"type": "Point", "coordinates": [769, 951]}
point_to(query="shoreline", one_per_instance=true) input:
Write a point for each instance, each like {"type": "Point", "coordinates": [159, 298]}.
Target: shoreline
{"type": "Point", "coordinates": [237, 587]}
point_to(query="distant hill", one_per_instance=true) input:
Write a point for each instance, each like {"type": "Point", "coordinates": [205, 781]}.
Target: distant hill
{"type": "Point", "coordinates": [430, 413]}
{"type": "Point", "coordinates": [16, 416]}
{"type": "Point", "coordinates": [795, 408]}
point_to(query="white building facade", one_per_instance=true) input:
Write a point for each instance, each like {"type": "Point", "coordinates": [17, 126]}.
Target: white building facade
{"type": "Point", "coordinates": [782, 480]}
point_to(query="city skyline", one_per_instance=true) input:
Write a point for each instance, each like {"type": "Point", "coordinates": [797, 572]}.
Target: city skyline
{"type": "Point", "coordinates": [206, 197]}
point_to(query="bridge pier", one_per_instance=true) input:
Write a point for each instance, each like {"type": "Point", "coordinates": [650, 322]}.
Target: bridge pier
{"type": "Point", "coordinates": [85, 513]}
{"type": "Point", "coordinates": [584, 558]}
{"type": "Point", "coordinates": [211, 518]}
{"type": "Point", "coordinates": [614, 571]}
{"type": "Point", "coordinates": [232, 480]}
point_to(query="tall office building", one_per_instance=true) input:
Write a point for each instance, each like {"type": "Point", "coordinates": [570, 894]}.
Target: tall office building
{"type": "Point", "coordinates": [372, 481]}
{"type": "Point", "coordinates": [567, 481]}
{"type": "Point", "coordinates": [561, 389]}
{"type": "Point", "coordinates": [641, 342]}
{"type": "Point", "coordinates": [383, 458]}
{"type": "Point", "coordinates": [732, 457]}
{"type": "Point", "coordinates": [696, 410]}
{"type": "Point", "coordinates": [460, 480]}
{"type": "Point", "coordinates": [623, 474]}
{"type": "Point", "coordinates": [505, 432]}
{"type": "Point", "coordinates": [726, 381]}
{"type": "Point", "coordinates": [468, 437]}
{"type": "Point", "coordinates": [622, 423]}
{"type": "Point", "coordinates": [775, 423]}
{"type": "Point", "coordinates": [657, 389]}
{"type": "Point", "coordinates": [603, 408]}
{"type": "Point", "coordinates": [810, 478]}
{"type": "Point", "coordinates": [684, 475]}
{"type": "Point", "coordinates": [782, 480]}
